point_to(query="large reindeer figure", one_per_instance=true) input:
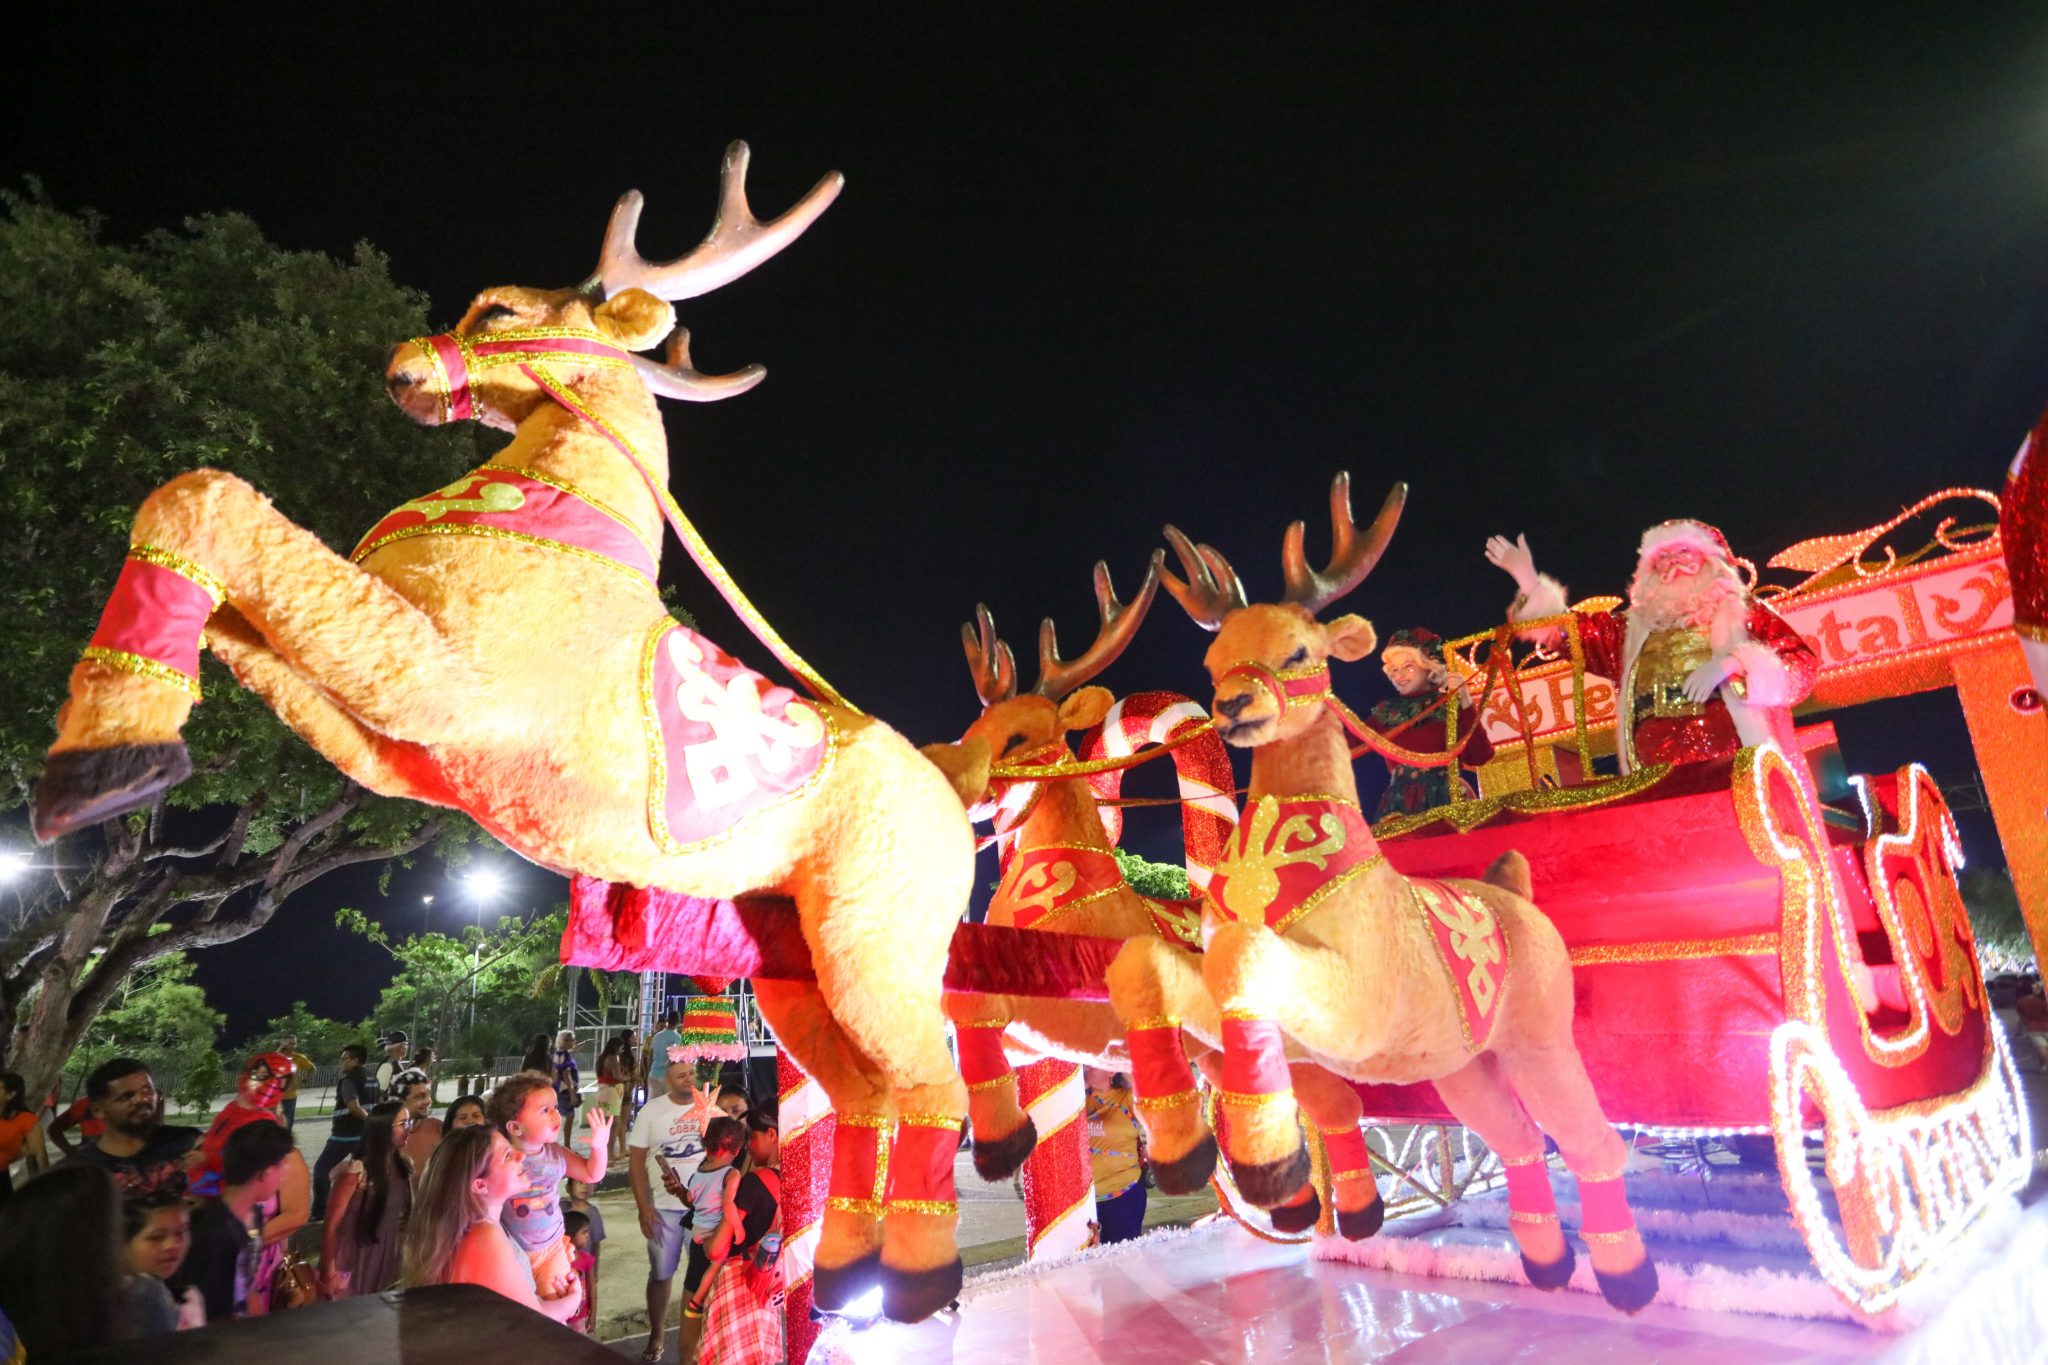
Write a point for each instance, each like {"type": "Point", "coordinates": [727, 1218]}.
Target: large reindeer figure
{"type": "Point", "coordinates": [1465, 984]}
{"type": "Point", "coordinates": [514, 670]}
{"type": "Point", "coordinates": [1058, 871]}
{"type": "Point", "coordinates": [1059, 875]}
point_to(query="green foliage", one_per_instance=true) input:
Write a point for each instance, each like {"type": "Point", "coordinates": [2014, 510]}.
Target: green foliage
{"type": "Point", "coordinates": [319, 1037]}
{"type": "Point", "coordinates": [160, 1016]}
{"type": "Point", "coordinates": [121, 366]}
{"type": "Point", "coordinates": [1995, 918]}
{"type": "Point", "coordinates": [1161, 881]}
{"type": "Point", "coordinates": [430, 997]}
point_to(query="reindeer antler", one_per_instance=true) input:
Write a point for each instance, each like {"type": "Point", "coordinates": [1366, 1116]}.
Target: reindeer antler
{"type": "Point", "coordinates": [677, 379]}
{"type": "Point", "coordinates": [989, 660]}
{"type": "Point", "coordinates": [1352, 557]}
{"type": "Point", "coordinates": [736, 243]}
{"type": "Point", "coordinates": [1212, 590]}
{"type": "Point", "coordinates": [1056, 676]}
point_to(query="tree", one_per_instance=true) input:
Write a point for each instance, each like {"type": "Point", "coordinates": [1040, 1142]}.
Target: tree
{"type": "Point", "coordinates": [159, 1015]}
{"type": "Point", "coordinates": [440, 974]}
{"type": "Point", "coordinates": [1161, 881]}
{"type": "Point", "coordinates": [120, 367]}
{"type": "Point", "coordinates": [319, 1037]}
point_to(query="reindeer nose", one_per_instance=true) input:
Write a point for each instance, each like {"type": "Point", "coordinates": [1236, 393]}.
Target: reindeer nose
{"type": "Point", "coordinates": [1233, 706]}
{"type": "Point", "coordinates": [393, 376]}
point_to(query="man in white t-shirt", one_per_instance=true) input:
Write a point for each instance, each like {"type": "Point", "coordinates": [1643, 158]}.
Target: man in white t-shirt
{"type": "Point", "coordinates": [394, 1044]}
{"type": "Point", "coordinates": [668, 1135]}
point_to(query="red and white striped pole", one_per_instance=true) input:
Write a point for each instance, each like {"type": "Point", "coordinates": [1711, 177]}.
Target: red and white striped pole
{"type": "Point", "coordinates": [1059, 1179]}
{"type": "Point", "coordinates": [806, 1125]}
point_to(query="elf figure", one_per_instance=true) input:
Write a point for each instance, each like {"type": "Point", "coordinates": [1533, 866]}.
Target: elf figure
{"type": "Point", "coordinates": [1425, 720]}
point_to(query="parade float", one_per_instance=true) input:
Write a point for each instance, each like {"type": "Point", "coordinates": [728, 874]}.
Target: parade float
{"type": "Point", "coordinates": [1760, 943]}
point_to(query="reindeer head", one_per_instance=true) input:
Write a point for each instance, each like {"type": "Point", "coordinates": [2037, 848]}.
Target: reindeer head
{"type": "Point", "coordinates": [484, 368]}
{"type": "Point", "coordinates": [1270, 661]}
{"type": "Point", "coordinates": [1016, 727]}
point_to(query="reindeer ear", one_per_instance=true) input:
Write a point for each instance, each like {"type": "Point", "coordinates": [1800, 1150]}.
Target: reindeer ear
{"type": "Point", "coordinates": [635, 319]}
{"type": "Point", "coordinates": [1351, 638]}
{"type": "Point", "coordinates": [1085, 708]}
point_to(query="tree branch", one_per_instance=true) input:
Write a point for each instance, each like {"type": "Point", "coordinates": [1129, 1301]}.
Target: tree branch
{"type": "Point", "coordinates": [288, 853]}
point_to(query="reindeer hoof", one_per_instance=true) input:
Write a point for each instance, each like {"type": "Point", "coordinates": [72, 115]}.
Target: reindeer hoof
{"type": "Point", "coordinates": [914, 1295]}
{"type": "Point", "coordinates": [1356, 1227]}
{"type": "Point", "coordinates": [1630, 1290]}
{"type": "Point", "coordinates": [81, 787]}
{"type": "Point", "coordinates": [1190, 1173]}
{"type": "Point", "coordinates": [833, 1287]}
{"type": "Point", "coordinates": [1293, 1218]}
{"type": "Point", "coordinates": [1552, 1276]}
{"type": "Point", "coordinates": [1268, 1184]}
{"type": "Point", "coordinates": [1000, 1158]}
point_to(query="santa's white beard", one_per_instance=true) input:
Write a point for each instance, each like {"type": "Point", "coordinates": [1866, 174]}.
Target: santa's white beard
{"type": "Point", "coordinates": [1691, 601]}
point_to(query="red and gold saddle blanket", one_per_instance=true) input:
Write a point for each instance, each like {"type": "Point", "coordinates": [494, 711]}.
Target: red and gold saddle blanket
{"type": "Point", "coordinates": [1473, 949]}
{"type": "Point", "coordinates": [525, 508]}
{"type": "Point", "coordinates": [1288, 855]}
{"type": "Point", "coordinates": [1042, 883]}
{"type": "Point", "coordinates": [723, 742]}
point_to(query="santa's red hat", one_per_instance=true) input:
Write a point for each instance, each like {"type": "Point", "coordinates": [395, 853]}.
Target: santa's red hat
{"type": "Point", "coordinates": [1695, 534]}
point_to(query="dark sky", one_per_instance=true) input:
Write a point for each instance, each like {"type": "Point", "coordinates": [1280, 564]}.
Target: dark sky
{"type": "Point", "coordinates": [1781, 268]}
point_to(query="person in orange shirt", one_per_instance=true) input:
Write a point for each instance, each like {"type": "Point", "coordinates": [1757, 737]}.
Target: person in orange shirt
{"type": "Point", "coordinates": [18, 1131]}
{"type": "Point", "coordinates": [1116, 1152]}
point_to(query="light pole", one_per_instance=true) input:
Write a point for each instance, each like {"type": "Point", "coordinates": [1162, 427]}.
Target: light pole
{"type": "Point", "coordinates": [484, 885]}
{"type": "Point", "coordinates": [426, 905]}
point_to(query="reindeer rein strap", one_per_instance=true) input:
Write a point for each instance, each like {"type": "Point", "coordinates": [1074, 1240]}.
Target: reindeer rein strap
{"type": "Point", "coordinates": [457, 357]}
{"type": "Point", "coordinates": [1309, 685]}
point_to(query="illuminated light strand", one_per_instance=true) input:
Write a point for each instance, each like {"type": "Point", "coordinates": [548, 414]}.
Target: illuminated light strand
{"type": "Point", "coordinates": [1804, 906]}
{"type": "Point", "coordinates": [1926, 1170]}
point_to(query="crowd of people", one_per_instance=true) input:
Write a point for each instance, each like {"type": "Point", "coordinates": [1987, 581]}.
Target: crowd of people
{"type": "Point", "coordinates": [144, 1227]}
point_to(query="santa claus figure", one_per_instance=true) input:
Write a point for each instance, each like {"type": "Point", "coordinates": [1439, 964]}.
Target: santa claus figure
{"type": "Point", "coordinates": [2023, 532]}
{"type": "Point", "coordinates": [1424, 719]}
{"type": "Point", "coordinates": [1701, 669]}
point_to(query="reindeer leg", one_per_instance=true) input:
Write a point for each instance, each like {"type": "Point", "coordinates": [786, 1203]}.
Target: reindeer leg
{"type": "Point", "coordinates": [1552, 1082]}
{"type": "Point", "coordinates": [363, 754]}
{"type": "Point", "coordinates": [1479, 1097]}
{"type": "Point", "coordinates": [1004, 1134]}
{"type": "Point", "coordinates": [888, 1002]}
{"type": "Point", "coordinates": [1268, 989]}
{"type": "Point", "coordinates": [1157, 990]}
{"type": "Point", "coordinates": [1333, 1106]}
{"type": "Point", "coordinates": [375, 652]}
{"type": "Point", "coordinates": [848, 1262]}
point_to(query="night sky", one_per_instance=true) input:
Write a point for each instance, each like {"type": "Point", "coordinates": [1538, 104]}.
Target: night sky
{"type": "Point", "coordinates": [1781, 269]}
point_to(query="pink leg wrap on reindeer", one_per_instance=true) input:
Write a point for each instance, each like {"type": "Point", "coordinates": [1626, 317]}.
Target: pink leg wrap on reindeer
{"type": "Point", "coordinates": [921, 1166]}
{"type": "Point", "coordinates": [1257, 1100]}
{"type": "Point", "coordinates": [1004, 1134]}
{"type": "Point", "coordinates": [1163, 1087]}
{"type": "Point", "coordinates": [1531, 1200]}
{"type": "Point", "coordinates": [921, 1186]}
{"type": "Point", "coordinates": [858, 1185]}
{"type": "Point", "coordinates": [153, 619]}
{"type": "Point", "coordinates": [1351, 1160]}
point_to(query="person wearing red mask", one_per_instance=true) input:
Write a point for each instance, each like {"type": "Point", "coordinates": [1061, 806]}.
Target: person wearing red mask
{"type": "Point", "coordinates": [262, 1085]}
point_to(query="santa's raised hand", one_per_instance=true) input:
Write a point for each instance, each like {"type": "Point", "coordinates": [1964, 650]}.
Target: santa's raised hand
{"type": "Point", "coordinates": [1514, 558]}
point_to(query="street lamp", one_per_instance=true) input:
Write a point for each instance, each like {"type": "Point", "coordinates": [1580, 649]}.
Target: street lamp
{"type": "Point", "coordinates": [14, 865]}
{"type": "Point", "coordinates": [484, 884]}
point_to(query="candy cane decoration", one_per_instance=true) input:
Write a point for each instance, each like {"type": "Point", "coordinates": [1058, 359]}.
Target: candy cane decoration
{"type": "Point", "coordinates": [1059, 1177]}
{"type": "Point", "coordinates": [806, 1125]}
{"type": "Point", "coordinates": [1208, 814]}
